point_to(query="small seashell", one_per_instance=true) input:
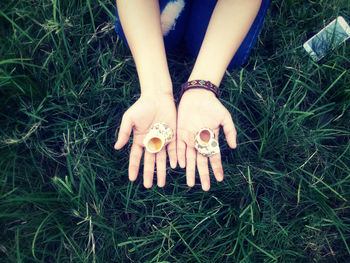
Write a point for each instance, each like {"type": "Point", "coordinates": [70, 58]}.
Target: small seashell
{"type": "Point", "coordinates": [206, 143]}
{"type": "Point", "coordinates": [159, 135]}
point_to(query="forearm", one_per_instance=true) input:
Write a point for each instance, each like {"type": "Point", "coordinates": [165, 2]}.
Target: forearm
{"type": "Point", "coordinates": [228, 26]}
{"type": "Point", "coordinates": [140, 20]}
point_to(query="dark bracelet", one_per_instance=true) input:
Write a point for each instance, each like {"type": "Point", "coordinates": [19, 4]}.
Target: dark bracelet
{"type": "Point", "coordinates": [201, 84]}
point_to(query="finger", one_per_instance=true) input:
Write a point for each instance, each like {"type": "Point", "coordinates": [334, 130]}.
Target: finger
{"type": "Point", "coordinates": [124, 132]}
{"type": "Point", "coordinates": [181, 153]}
{"type": "Point", "coordinates": [229, 130]}
{"type": "Point", "coordinates": [161, 167]}
{"type": "Point", "coordinates": [216, 166]}
{"type": "Point", "coordinates": [203, 170]}
{"type": "Point", "coordinates": [190, 166]}
{"type": "Point", "coordinates": [134, 161]}
{"type": "Point", "coordinates": [148, 169]}
{"type": "Point", "coordinates": [172, 154]}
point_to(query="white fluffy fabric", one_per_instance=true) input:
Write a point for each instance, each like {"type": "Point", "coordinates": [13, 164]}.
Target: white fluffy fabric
{"type": "Point", "coordinates": [169, 15]}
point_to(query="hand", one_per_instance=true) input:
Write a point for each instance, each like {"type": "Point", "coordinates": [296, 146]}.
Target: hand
{"type": "Point", "coordinates": [147, 110]}
{"type": "Point", "coordinates": [198, 109]}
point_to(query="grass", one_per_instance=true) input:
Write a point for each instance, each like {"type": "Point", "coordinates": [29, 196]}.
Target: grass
{"type": "Point", "coordinates": [65, 81]}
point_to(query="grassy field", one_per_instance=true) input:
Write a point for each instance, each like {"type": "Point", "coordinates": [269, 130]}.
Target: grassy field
{"type": "Point", "coordinates": [65, 81]}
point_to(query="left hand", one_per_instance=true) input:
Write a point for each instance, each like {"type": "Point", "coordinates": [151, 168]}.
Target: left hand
{"type": "Point", "coordinates": [199, 109]}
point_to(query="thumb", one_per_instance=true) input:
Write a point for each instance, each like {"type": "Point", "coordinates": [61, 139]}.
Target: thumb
{"type": "Point", "coordinates": [229, 130]}
{"type": "Point", "coordinates": [124, 132]}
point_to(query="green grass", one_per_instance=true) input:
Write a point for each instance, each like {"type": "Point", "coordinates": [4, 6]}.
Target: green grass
{"type": "Point", "coordinates": [65, 81]}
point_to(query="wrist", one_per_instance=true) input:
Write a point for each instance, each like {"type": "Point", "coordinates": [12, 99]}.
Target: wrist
{"type": "Point", "coordinates": [157, 87]}
{"type": "Point", "coordinates": [200, 85]}
{"type": "Point", "coordinates": [160, 92]}
{"type": "Point", "coordinates": [199, 93]}
{"type": "Point", "coordinates": [157, 95]}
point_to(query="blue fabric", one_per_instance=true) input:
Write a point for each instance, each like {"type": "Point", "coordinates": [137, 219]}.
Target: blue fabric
{"type": "Point", "coordinates": [192, 24]}
{"type": "Point", "coordinates": [174, 36]}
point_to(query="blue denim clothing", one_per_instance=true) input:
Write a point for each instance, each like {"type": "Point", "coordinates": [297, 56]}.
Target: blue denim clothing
{"type": "Point", "coordinates": [192, 22]}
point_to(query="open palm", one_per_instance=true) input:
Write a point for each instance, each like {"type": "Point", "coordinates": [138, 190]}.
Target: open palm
{"type": "Point", "coordinates": [199, 109]}
{"type": "Point", "coordinates": [146, 111]}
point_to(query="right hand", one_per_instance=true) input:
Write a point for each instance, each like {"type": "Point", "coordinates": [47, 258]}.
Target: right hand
{"type": "Point", "coordinates": [147, 110]}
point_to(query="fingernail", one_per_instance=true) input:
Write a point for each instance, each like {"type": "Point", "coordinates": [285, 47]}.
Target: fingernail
{"type": "Point", "coordinates": [161, 185]}
{"type": "Point", "coordinates": [147, 186]}
{"type": "Point", "coordinates": [205, 187]}
{"type": "Point", "coordinates": [235, 144]}
{"type": "Point", "coordinates": [116, 146]}
{"type": "Point", "coordinates": [172, 163]}
{"type": "Point", "coordinates": [182, 164]}
{"type": "Point", "coordinates": [132, 179]}
{"type": "Point", "coordinates": [190, 184]}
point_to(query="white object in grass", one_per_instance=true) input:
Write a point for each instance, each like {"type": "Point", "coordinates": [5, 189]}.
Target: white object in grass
{"type": "Point", "coordinates": [331, 36]}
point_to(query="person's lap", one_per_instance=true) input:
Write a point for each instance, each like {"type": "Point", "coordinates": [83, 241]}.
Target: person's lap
{"type": "Point", "coordinates": [188, 20]}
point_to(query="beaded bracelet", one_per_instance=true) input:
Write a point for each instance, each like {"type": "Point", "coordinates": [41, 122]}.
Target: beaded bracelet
{"type": "Point", "coordinates": [201, 84]}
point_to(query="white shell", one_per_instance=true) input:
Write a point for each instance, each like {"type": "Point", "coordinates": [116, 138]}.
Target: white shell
{"type": "Point", "coordinates": [159, 135]}
{"type": "Point", "coordinates": [206, 143]}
